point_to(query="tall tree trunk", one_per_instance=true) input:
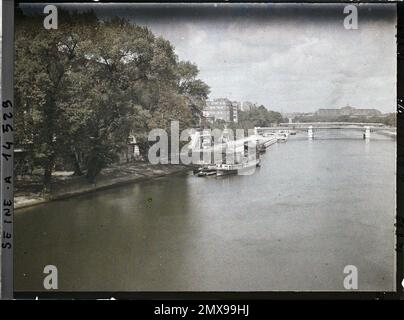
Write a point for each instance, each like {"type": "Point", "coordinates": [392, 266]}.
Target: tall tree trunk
{"type": "Point", "coordinates": [94, 166]}
{"type": "Point", "coordinates": [47, 178]}
{"type": "Point", "coordinates": [76, 163]}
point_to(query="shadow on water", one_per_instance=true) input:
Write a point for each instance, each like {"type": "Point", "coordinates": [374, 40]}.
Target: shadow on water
{"type": "Point", "coordinates": [112, 240]}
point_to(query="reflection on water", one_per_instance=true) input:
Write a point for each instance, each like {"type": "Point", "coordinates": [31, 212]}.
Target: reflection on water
{"type": "Point", "coordinates": [312, 208]}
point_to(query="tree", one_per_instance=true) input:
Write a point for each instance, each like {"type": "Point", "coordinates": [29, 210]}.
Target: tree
{"type": "Point", "coordinates": [82, 89]}
{"type": "Point", "coordinates": [258, 117]}
{"type": "Point", "coordinates": [195, 90]}
{"type": "Point", "coordinates": [43, 61]}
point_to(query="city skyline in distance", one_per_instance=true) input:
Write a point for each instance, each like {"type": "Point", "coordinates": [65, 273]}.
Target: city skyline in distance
{"type": "Point", "coordinates": [309, 61]}
{"type": "Point", "coordinates": [287, 57]}
{"type": "Point", "coordinates": [313, 111]}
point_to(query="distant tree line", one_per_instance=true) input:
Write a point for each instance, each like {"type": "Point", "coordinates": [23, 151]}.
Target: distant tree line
{"type": "Point", "coordinates": [258, 117]}
{"type": "Point", "coordinates": [82, 89]}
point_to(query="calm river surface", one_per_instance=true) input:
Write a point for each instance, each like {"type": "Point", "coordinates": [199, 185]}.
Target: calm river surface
{"type": "Point", "coordinates": [312, 208]}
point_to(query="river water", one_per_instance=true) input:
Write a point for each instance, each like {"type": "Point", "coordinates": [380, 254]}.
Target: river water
{"type": "Point", "coordinates": [311, 209]}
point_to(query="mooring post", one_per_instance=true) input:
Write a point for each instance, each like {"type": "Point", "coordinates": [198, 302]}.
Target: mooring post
{"type": "Point", "coordinates": [310, 132]}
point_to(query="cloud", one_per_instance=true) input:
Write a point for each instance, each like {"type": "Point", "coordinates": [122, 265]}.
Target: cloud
{"type": "Point", "coordinates": [295, 57]}
{"type": "Point", "coordinates": [292, 65]}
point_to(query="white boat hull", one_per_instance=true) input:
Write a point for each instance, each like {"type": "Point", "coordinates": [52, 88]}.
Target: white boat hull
{"type": "Point", "coordinates": [241, 169]}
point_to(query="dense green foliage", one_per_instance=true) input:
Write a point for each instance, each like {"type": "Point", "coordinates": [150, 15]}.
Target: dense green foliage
{"type": "Point", "coordinates": [258, 117]}
{"type": "Point", "coordinates": [83, 88]}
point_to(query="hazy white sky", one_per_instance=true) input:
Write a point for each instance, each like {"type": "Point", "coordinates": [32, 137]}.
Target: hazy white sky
{"type": "Point", "coordinates": [287, 57]}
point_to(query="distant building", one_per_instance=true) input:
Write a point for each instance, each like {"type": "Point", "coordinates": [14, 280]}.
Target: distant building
{"type": "Point", "coordinates": [236, 107]}
{"type": "Point", "coordinates": [219, 109]}
{"type": "Point", "coordinates": [347, 111]}
{"type": "Point", "coordinates": [350, 111]}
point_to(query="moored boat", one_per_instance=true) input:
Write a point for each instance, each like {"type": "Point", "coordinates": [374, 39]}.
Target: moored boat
{"type": "Point", "coordinates": [282, 136]}
{"type": "Point", "coordinates": [239, 168]}
{"type": "Point", "coordinates": [206, 170]}
{"type": "Point", "coordinates": [270, 141]}
{"type": "Point", "coordinates": [264, 141]}
{"type": "Point", "coordinates": [205, 173]}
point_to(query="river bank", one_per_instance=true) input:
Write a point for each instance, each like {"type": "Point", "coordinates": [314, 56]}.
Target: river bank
{"type": "Point", "coordinates": [28, 191]}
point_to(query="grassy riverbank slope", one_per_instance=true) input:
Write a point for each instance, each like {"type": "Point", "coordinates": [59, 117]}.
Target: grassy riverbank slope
{"type": "Point", "coordinates": [28, 191]}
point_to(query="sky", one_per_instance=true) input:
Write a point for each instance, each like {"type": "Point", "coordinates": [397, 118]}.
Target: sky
{"type": "Point", "coordinates": [290, 58]}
